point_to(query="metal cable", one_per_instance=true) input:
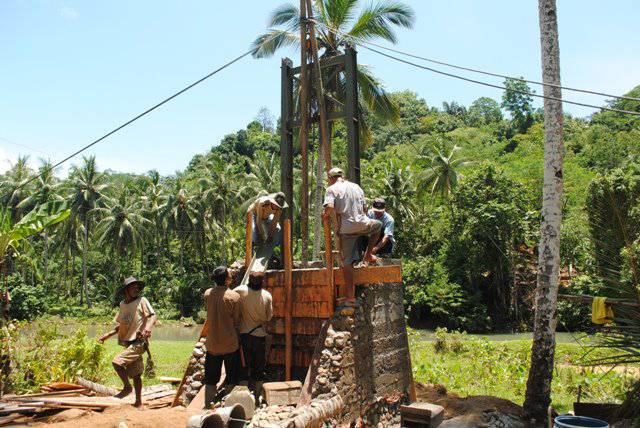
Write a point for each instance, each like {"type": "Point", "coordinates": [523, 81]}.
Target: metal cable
{"type": "Point", "coordinates": [632, 113]}
{"type": "Point", "coordinates": [149, 110]}
{"type": "Point", "coordinates": [475, 70]}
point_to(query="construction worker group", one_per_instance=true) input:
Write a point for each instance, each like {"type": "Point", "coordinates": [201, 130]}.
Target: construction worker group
{"type": "Point", "coordinates": [236, 318]}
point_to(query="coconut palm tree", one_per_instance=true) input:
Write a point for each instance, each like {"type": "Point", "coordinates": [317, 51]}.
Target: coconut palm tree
{"type": "Point", "coordinates": [339, 23]}
{"type": "Point", "coordinates": [122, 227]}
{"type": "Point", "coordinates": [14, 188]}
{"type": "Point", "coordinates": [265, 172]}
{"type": "Point", "coordinates": [441, 176]}
{"type": "Point", "coordinates": [46, 190]}
{"type": "Point", "coordinates": [87, 191]}
{"type": "Point", "coordinates": [538, 393]}
{"type": "Point", "coordinates": [182, 215]}
{"type": "Point", "coordinates": [221, 191]}
{"type": "Point", "coordinates": [154, 202]}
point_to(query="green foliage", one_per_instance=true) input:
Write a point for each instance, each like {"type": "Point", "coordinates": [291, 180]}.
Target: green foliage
{"type": "Point", "coordinates": [621, 121]}
{"type": "Point", "coordinates": [453, 356]}
{"type": "Point", "coordinates": [53, 357]}
{"type": "Point", "coordinates": [27, 302]}
{"type": "Point", "coordinates": [518, 103]}
{"type": "Point", "coordinates": [431, 296]}
{"type": "Point", "coordinates": [484, 111]}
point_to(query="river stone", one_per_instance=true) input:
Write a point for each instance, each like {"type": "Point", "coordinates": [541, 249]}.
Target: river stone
{"type": "Point", "coordinates": [198, 353]}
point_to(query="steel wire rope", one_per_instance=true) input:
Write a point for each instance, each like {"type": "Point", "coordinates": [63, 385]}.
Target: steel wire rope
{"type": "Point", "coordinates": [474, 70]}
{"type": "Point", "coordinates": [149, 110]}
{"type": "Point", "coordinates": [479, 82]}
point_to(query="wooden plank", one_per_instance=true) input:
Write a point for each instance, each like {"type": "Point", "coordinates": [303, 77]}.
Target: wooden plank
{"type": "Point", "coordinates": [197, 404]}
{"type": "Point", "coordinates": [335, 61]}
{"type": "Point", "coordinates": [288, 311]}
{"type": "Point", "coordinates": [317, 277]}
{"type": "Point", "coordinates": [304, 309]}
{"type": "Point", "coordinates": [302, 293]}
{"type": "Point", "coordinates": [299, 326]}
{"type": "Point", "coordinates": [300, 358]}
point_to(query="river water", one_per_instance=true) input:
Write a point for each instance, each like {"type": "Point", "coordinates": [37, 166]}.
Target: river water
{"type": "Point", "coordinates": [181, 333]}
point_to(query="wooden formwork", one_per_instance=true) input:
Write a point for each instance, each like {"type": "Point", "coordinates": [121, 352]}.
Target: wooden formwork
{"type": "Point", "coordinates": [311, 305]}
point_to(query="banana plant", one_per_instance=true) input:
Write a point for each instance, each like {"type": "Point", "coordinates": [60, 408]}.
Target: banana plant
{"type": "Point", "coordinates": [34, 222]}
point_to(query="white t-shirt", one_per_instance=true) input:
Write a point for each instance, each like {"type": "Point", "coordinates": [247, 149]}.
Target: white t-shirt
{"type": "Point", "coordinates": [131, 318]}
{"type": "Point", "coordinates": [348, 202]}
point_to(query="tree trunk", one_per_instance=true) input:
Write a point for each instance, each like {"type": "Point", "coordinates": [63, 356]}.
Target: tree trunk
{"type": "Point", "coordinates": [85, 248]}
{"type": "Point", "coordinates": [538, 394]}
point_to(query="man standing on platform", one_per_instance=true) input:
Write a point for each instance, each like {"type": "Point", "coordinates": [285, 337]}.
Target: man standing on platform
{"type": "Point", "coordinates": [257, 309]}
{"type": "Point", "coordinates": [346, 200]}
{"type": "Point", "coordinates": [223, 319]}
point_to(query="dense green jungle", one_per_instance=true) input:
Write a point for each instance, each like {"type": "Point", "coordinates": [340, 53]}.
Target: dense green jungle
{"type": "Point", "coordinates": [464, 184]}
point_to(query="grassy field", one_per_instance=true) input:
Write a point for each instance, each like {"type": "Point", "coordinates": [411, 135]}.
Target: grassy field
{"type": "Point", "coordinates": [476, 366]}
{"type": "Point", "coordinates": [464, 364]}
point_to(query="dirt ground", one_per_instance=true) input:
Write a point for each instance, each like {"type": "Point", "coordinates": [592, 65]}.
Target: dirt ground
{"type": "Point", "coordinates": [177, 417]}
{"type": "Point", "coordinates": [132, 417]}
{"type": "Point", "coordinates": [455, 405]}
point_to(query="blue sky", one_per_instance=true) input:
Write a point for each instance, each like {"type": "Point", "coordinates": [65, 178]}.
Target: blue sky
{"type": "Point", "coordinates": [72, 70]}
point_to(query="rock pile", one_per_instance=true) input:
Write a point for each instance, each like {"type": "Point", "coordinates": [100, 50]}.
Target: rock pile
{"type": "Point", "coordinates": [195, 372]}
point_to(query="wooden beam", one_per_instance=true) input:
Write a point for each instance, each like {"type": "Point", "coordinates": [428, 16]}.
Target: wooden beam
{"type": "Point", "coordinates": [335, 61]}
{"type": "Point", "coordinates": [351, 113]}
{"type": "Point", "coordinates": [286, 136]}
{"type": "Point", "coordinates": [586, 298]}
{"type": "Point", "coordinates": [288, 285]}
{"type": "Point", "coordinates": [318, 277]}
{"type": "Point", "coordinates": [328, 251]}
{"type": "Point", "coordinates": [304, 134]}
{"type": "Point", "coordinates": [322, 108]}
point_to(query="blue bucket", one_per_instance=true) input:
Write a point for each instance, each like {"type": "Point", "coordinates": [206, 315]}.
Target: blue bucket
{"type": "Point", "coordinates": [569, 421]}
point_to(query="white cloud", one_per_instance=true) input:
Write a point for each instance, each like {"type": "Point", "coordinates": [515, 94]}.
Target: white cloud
{"type": "Point", "coordinates": [68, 12]}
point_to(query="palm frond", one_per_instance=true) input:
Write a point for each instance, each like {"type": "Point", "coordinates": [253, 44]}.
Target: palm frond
{"type": "Point", "coordinates": [268, 43]}
{"type": "Point", "coordinates": [339, 12]}
{"type": "Point", "coordinates": [287, 15]}
{"type": "Point", "coordinates": [375, 97]}
{"type": "Point", "coordinates": [378, 20]}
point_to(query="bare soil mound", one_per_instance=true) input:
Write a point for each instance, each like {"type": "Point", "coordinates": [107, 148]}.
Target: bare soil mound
{"type": "Point", "coordinates": [455, 405]}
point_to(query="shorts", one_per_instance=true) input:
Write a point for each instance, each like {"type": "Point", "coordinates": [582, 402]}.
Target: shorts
{"type": "Point", "coordinates": [131, 359]}
{"type": "Point", "coordinates": [348, 241]}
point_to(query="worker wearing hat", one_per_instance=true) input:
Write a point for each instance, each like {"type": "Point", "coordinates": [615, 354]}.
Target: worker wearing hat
{"type": "Point", "coordinates": [384, 246]}
{"type": "Point", "coordinates": [344, 202]}
{"type": "Point", "coordinates": [134, 322]}
{"type": "Point", "coordinates": [266, 212]}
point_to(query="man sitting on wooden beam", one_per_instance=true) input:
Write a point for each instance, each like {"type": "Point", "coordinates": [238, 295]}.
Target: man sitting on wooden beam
{"type": "Point", "coordinates": [346, 200]}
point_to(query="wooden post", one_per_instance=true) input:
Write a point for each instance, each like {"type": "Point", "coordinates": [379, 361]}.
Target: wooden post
{"type": "Point", "coordinates": [247, 240]}
{"type": "Point", "coordinates": [286, 137]}
{"type": "Point", "coordinates": [322, 109]}
{"type": "Point", "coordinates": [329, 260]}
{"type": "Point", "coordinates": [304, 135]}
{"type": "Point", "coordinates": [288, 287]}
{"type": "Point", "coordinates": [351, 113]}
